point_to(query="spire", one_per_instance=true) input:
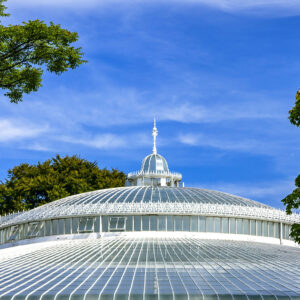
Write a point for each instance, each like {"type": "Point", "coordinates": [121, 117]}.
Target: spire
{"type": "Point", "coordinates": [154, 134]}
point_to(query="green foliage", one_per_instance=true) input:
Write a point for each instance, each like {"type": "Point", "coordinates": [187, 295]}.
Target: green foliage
{"type": "Point", "coordinates": [295, 111]}
{"type": "Point", "coordinates": [29, 186]}
{"type": "Point", "coordinates": [292, 201]}
{"type": "Point", "coordinates": [2, 9]}
{"type": "Point", "coordinates": [26, 48]}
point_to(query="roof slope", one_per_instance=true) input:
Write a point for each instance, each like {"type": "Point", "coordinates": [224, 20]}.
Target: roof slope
{"type": "Point", "coordinates": [187, 268]}
{"type": "Point", "coordinates": [150, 200]}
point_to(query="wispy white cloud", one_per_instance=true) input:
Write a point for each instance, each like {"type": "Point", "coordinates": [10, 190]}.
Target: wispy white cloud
{"type": "Point", "coordinates": [107, 141]}
{"type": "Point", "coordinates": [69, 111]}
{"type": "Point", "coordinates": [272, 191]}
{"type": "Point", "coordinates": [11, 130]}
{"type": "Point", "coordinates": [260, 145]}
{"type": "Point", "coordinates": [104, 141]}
{"type": "Point", "coordinates": [196, 139]}
{"type": "Point", "coordinates": [114, 105]}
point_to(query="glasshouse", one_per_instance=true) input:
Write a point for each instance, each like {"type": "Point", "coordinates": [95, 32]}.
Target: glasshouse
{"type": "Point", "coordinates": [153, 239]}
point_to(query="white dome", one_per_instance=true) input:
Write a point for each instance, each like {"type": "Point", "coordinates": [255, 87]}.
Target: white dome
{"type": "Point", "coordinates": [151, 200]}
{"type": "Point", "coordinates": [154, 163]}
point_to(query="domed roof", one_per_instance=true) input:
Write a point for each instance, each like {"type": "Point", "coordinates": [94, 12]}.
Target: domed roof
{"type": "Point", "coordinates": [150, 268]}
{"type": "Point", "coordinates": [150, 200]}
{"type": "Point", "coordinates": [154, 163]}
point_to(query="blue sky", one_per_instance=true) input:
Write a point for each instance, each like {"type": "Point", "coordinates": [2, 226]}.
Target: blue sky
{"type": "Point", "coordinates": [220, 77]}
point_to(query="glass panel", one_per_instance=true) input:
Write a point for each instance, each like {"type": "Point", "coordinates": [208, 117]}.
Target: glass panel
{"type": "Point", "coordinates": [271, 229]}
{"type": "Point", "coordinates": [113, 222]}
{"type": "Point", "coordinates": [246, 226]}
{"type": "Point", "coordinates": [217, 224]}
{"type": "Point", "coordinates": [178, 223]}
{"type": "Point", "coordinates": [232, 225]}
{"type": "Point", "coordinates": [67, 226]}
{"type": "Point", "coordinates": [282, 228]}
{"type": "Point", "coordinates": [209, 224]}
{"type": "Point", "coordinates": [239, 226]}
{"type": "Point", "coordinates": [129, 223]}
{"type": "Point", "coordinates": [48, 228]}
{"type": "Point", "coordinates": [117, 223]}
{"type": "Point", "coordinates": [288, 228]}
{"type": "Point", "coordinates": [61, 226]}
{"type": "Point", "coordinates": [54, 227]}
{"type": "Point", "coordinates": [13, 233]}
{"type": "Point", "coordinates": [33, 229]}
{"type": "Point", "coordinates": [224, 225]}
{"type": "Point", "coordinates": [97, 224]}
{"type": "Point", "coordinates": [104, 223]}
{"type": "Point", "coordinates": [75, 222]}
{"type": "Point", "coordinates": [82, 224]}
{"type": "Point", "coordinates": [25, 228]}
{"type": "Point", "coordinates": [153, 223]}
{"type": "Point", "coordinates": [121, 223]}
{"type": "Point", "coordinates": [276, 230]}
{"type": "Point", "coordinates": [170, 223]}
{"type": "Point", "coordinates": [162, 223]}
{"type": "Point", "coordinates": [252, 227]}
{"type": "Point", "coordinates": [137, 223]}
{"type": "Point", "coordinates": [186, 223]}
{"type": "Point", "coordinates": [145, 222]}
{"type": "Point", "coordinates": [284, 231]}
{"type": "Point", "coordinates": [41, 229]}
{"type": "Point", "coordinates": [21, 232]}
{"type": "Point", "coordinates": [2, 236]}
{"type": "Point", "coordinates": [265, 228]}
{"type": "Point", "coordinates": [202, 224]}
{"type": "Point", "coordinates": [258, 227]}
{"type": "Point", "coordinates": [194, 223]}
{"type": "Point", "coordinates": [86, 224]}
{"type": "Point", "coordinates": [90, 224]}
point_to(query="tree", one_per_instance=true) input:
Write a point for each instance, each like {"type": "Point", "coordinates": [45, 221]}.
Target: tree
{"type": "Point", "coordinates": [29, 186]}
{"type": "Point", "coordinates": [292, 201]}
{"type": "Point", "coordinates": [295, 111]}
{"type": "Point", "coordinates": [27, 48]}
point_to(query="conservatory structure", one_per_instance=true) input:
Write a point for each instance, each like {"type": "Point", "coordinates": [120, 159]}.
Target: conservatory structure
{"type": "Point", "coordinates": [153, 239]}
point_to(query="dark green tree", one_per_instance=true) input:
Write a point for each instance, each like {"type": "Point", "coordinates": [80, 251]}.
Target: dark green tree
{"type": "Point", "coordinates": [28, 49]}
{"type": "Point", "coordinates": [295, 111]}
{"type": "Point", "coordinates": [28, 186]}
{"type": "Point", "coordinates": [292, 201]}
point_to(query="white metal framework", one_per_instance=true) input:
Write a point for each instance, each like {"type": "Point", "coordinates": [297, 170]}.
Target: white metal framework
{"type": "Point", "coordinates": [152, 200]}
{"type": "Point", "coordinates": [150, 268]}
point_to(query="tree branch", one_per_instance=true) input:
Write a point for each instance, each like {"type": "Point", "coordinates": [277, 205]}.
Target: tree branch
{"type": "Point", "coordinates": [12, 52]}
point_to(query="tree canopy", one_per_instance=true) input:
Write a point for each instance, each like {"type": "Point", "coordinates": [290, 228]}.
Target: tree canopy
{"type": "Point", "coordinates": [28, 186]}
{"type": "Point", "coordinates": [292, 201]}
{"type": "Point", "coordinates": [295, 111]}
{"type": "Point", "coordinates": [28, 49]}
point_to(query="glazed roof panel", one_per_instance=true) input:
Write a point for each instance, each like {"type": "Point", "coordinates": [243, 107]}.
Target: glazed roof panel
{"type": "Point", "coordinates": [155, 267]}
{"type": "Point", "coordinates": [151, 200]}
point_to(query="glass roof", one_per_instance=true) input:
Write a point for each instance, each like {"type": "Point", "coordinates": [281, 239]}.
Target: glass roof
{"type": "Point", "coordinates": [152, 200]}
{"type": "Point", "coordinates": [154, 163]}
{"type": "Point", "coordinates": [144, 268]}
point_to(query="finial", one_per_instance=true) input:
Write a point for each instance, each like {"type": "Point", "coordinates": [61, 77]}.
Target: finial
{"type": "Point", "coordinates": [154, 134]}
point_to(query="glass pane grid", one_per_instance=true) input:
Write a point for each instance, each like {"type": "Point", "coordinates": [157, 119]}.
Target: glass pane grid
{"type": "Point", "coordinates": [153, 199]}
{"type": "Point", "coordinates": [153, 266]}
